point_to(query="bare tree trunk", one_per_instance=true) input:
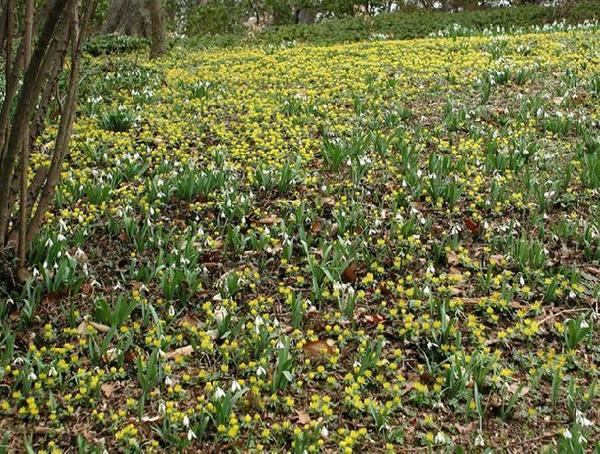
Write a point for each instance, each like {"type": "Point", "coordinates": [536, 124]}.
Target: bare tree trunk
{"type": "Point", "coordinates": [8, 30]}
{"type": "Point", "coordinates": [127, 17]}
{"type": "Point", "coordinates": [3, 20]}
{"type": "Point", "coordinates": [23, 202]}
{"type": "Point", "coordinates": [157, 24]}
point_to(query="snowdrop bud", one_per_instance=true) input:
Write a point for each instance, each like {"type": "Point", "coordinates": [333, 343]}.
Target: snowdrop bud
{"type": "Point", "coordinates": [186, 421]}
{"type": "Point", "coordinates": [191, 435]}
{"type": "Point", "coordinates": [220, 314]}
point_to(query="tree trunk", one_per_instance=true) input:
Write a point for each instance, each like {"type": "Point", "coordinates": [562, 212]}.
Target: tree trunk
{"type": "Point", "coordinates": [157, 26]}
{"type": "Point", "coordinates": [23, 201]}
{"type": "Point", "coordinates": [127, 17]}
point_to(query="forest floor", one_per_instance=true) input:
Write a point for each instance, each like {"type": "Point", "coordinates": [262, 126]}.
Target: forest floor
{"type": "Point", "coordinates": [382, 246]}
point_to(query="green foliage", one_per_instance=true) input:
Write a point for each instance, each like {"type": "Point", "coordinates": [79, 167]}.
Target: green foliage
{"type": "Point", "coordinates": [114, 44]}
{"type": "Point", "coordinates": [397, 25]}
{"type": "Point", "coordinates": [118, 120]}
{"type": "Point", "coordinates": [220, 16]}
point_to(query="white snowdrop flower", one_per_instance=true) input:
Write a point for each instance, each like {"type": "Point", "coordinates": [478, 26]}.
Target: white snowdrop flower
{"type": "Point", "coordinates": [235, 386]}
{"type": "Point", "coordinates": [220, 314]}
{"type": "Point", "coordinates": [171, 311]}
{"type": "Point", "coordinates": [479, 440]}
{"type": "Point", "coordinates": [356, 364]}
{"type": "Point", "coordinates": [52, 372]}
{"type": "Point", "coordinates": [324, 432]}
{"type": "Point", "coordinates": [584, 324]}
{"type": "Point", "coordinates": [191, 435]}
{"type": "Point", "coordinates": [61, 237]}
{"type": "Point", "coordinates": [219, 393]}
{"type": "Point", "coordinates": [440, 438]}
{"type": "Point", "coordinates": [258, 322]}
{"type": "Point", "coordinates": [260, 371]}
{"type": "Point", "coordinates": [582, 420]}
{"type": "Point", "coordinates": [567, 434]}
{"type": "Point", "coordinates": [186, 421]}
{"type": "Point", "coordinates": [49, 242]}
{"type": "Point", "coordinates": [162, 408]}
{"type": "Point", "coordinates": [279, 345]}
{"type": "Point", "coordinates": [168, 381]}
{"type": "Point", "coordinates": [32, 376]}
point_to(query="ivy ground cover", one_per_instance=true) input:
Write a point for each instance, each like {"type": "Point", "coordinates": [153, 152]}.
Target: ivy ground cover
{"type": "Point", "coordinates": [382, 246]}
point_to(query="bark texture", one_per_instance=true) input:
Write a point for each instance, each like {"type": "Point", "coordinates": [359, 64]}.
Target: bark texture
{"type": "Point", "coordinates": [128, 17]}
{"type": "Point", "coordinates": [157, 25]}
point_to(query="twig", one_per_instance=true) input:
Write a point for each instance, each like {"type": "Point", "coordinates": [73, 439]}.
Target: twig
{"type": "Point", "coordinates": [526, 442]}
{"type": "Point", "coordinates": [566, 311]}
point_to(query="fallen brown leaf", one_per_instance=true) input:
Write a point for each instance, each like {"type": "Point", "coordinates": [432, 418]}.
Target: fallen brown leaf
{"type": "Point", "coordinates": [82, 328]}
{"type": "Point", "coordinates": [86, 288]}
{"type": "Point", "coordinates": [269, 220]}
{"type": "Point", "coordinates": [375, 319]}
{"type": "Point", "coordinates": [349, 275]}
{"type": "Point", "coordinates": [315, 227]}
{"type": "Point", "coordinates": [303, 417]}
{"type": "Point", "coordinates": [452, 258]}
{"type": "Point", "coordinates": [181, 351]}
{"type": "Point", "coordinates": [319, 347]}
{"type": "Point", "coordinates": [514, 387]}
{"type": "Point", "coordinates": [107, 389]}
